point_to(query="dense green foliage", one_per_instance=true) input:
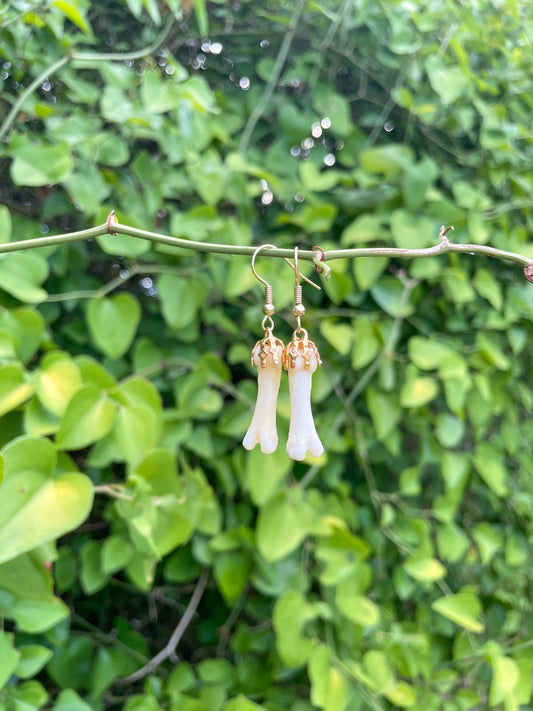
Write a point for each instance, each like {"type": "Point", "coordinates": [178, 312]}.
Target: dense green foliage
{"type": "Point", "coordinates": [396, 571]}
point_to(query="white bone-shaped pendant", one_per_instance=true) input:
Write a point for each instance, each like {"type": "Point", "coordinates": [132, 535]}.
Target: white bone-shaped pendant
{"type": "Point", "coordinates": [301, 359]}
{"type": "Point", "coordinates": [267, 355]}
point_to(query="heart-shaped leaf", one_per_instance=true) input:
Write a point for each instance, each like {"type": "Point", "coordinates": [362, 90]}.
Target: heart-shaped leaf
{"type": "Point", "coordinates": [37, 164]}
{"type": "Point", "coordinates": [21, 275]}
{"type": "Point", "coordinates": [89, 416]}
{"type": "Point", "coordinates": [113, 323]}
{"type": "Point", "coordinates": [14, 389]}
{"type": "Point", "coordinates": [37, 506]}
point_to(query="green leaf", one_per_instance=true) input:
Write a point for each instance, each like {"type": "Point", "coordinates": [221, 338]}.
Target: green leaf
{"type": "Point", "coordinates": [208, 176]}
{"type": "Point", "coordinates": [264, 474]}
{"type": "Point", "coordinates": [5, 225]}
{"type": "Point", "coordinates": [488, 541]}
{"type": "Point", "coordinates": [457, 285]}
{"type": "Point", "coordinates": [455, 469]}
{"type": "Point", "coordinates": [180, 299]}
{"type": "Point", "coordinates": [202, 17]}
{"type": "Point", "coordinates": [115, 105]}
{"type": "Point", "coordinates": [159, 469]}
{"type": "Point", "coordinates": [490, 466]}
{"type": "Point", "coordinates": [366, 344]}
{"type": "Point", "coordinates": [423, 568]}
{"type": "Point", "coordinates": [367, 270]}
{"type": "Point", "coordinates": [448, 82]}
{"type": "Point", "coordinates": [109, 664]}
{"type": "Point", "coordinates": [37, 507]}
{"type": "Point", "coordinates": [27, 327]}
{"type": "Point", "coordinates": [427, 353]}
{"type": "Point", "coordinates": [385, 412]}
{"type": "Point", "coordinates": [123, 245]}
{"type": "Point", "coordinates": [449, 430]}
{"type": "Point", "coordinates": [92, 577]}
{"type": "Point", "coordinates": [291, 612]}
{"type": "Point", "coordinates": [33, 657]}
{"type": "Point", "coordinates": [87, 188]}
{"type": "Point", "coordinates": [89, 416]}
{"type": "Point", "coordinates": [158, 95]}
{"type": "Point", "coordinates": [113, 323]}
{"type": "Point", "coordinates": [365, 228]}
{"type": "Point", "coordinates": [378, 669]}
{"type": "Point", "coordinates": [9, 658]}
{"type": "Point", "coordinates": [239, 703]}
{"type": "Point", "coordinates": [388, 160]}
{"type": "Point", "coordinates": [92, 373]}
{"type": "Point", "coordinates": [231, 572]}
{"type": "Point", "coordinates": [418, 392]}
{"type": "Point", "coordinates": [416, 181]}
{"type": "Point", "coordinates": [283, 522]}
{"type": "Point", "coordinates": [35, 164]}
{"type": "Point", "coordinates": [338, 335]}
{"type": "Point", "coordinates": [21, 275]}
{"type": "Point", "coordinates": [401, 694]}
{"type": "Point", "coordinates": [317, 180]}
{"type": "Point", "coordinates": [462, 608]}
{"type": "Point", "coordinates": [71, 9]}
{"type": "Point", "coordinates": [112, 150]}
{"type": "Point", "coordinates": [26, 595]}
{"type": "Point", "coordinates": [487, 287]}
{"type": "Point", "coordinates": [489, 346]}
{"type": "Point", "coordinates": [69, 665]}
{"type": "Point", "coordinates": [137, 430]}
{"type": "Point", "coordinates": [14, 389]}
{"type": "Point", "coordinates": [69, 700]}
{"type": "Point", "coordinates": [312, 218]}
{"type": "Point", "coordinates": [411, 232]}
{"type": "Point", "coordinates": [505, 675]}
{"type": "Point", "coordinates": [356, 607]}
{"type": "Point", "coordinates": [115, 554]}
{"type": "Point", "coordinates": [330, 689]}
{"type": "Point", "coordinates": [452, 542]}
{"type": "Point", "coordinates": [56, 382]}
{"type": "Point", "coordinates": [327, 103]}
{"type": "Point", "coordinates": [388, 294]}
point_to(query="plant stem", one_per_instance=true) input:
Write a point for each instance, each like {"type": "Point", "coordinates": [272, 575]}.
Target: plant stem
{"type": "Point", "coordinates": [170, 648]}
{"type": "Point", "coordinates": [84, 58]}
{"type": "Point", "coordinates": [29, 90]}
{"type": "Point", "coordinates": [276, 71]}
{"type": "Point", "coordinates": [443, 247]}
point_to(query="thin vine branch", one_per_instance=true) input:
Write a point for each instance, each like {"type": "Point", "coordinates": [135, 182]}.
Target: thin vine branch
{"type": "Point", "coordinates": [82, 58]}
{"type": "Point", "coordinates": [169, 649]}
{"type": "Point", "coordinates": [276, 71]}
{"type": "Point", "coordinates": [318, 257]}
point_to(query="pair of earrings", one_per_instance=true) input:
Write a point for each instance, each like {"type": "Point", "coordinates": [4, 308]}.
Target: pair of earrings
{"type": "Point", "coordinates": [300, 358]}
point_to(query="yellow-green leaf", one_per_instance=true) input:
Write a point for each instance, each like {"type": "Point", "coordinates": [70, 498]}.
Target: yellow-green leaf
{"type": "Point", "coordinates": [462, 608]}
{"type": "Point", "coordinates": [89, 416]}
{"type": "Point", "coordinates": [418, 392]}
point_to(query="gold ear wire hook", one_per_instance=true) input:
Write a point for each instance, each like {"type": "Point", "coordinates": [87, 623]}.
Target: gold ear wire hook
{"type": "Point", "coordinates": [298, 309]}
{"type": "Point", "coordinates": [292, 266]}
{"type": "Point", "coordinates": [254, 255]}
{"type": "Point", "coordinates": [268, 308]}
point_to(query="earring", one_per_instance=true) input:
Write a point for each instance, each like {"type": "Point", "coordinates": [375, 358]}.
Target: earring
{"type": "Point", "coordinates": [301, 359]}
{"type": "Point", "coordinates": [267, 356]}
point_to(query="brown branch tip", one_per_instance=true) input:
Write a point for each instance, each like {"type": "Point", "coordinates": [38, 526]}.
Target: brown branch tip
{"type": "Point", "coordinates": [111, 220]}
{"type": "Point", "coordinates": [528, 271]}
